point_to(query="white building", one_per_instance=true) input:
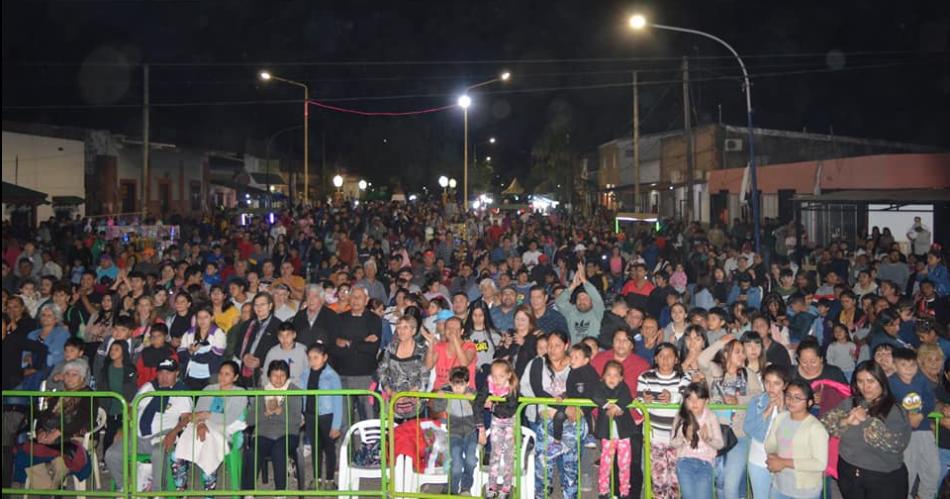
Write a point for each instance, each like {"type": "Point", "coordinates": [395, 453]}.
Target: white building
{"type": "Point", "coordinates": [49, 165]}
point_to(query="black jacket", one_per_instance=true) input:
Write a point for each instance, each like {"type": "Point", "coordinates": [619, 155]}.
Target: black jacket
{"type": "Point", "coordinates": [502, 410]}
{"type": "Point", "coordinates": [626, 428]}
{"type": "Point", "coordinates": [359, 358]}
{"type": "Point", "coordinates": [608, 326]}
{"type": "Point", "coordinates": [268, 338]}
{"type": "Point", "coordinates": [321, 331]}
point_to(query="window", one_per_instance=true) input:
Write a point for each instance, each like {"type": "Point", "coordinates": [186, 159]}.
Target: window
{"type": "Point", "coordinates": [195, 196]}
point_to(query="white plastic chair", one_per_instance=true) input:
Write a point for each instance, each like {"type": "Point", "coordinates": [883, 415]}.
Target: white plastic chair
{"type": "Point", "coordinates": [368, 431]}
{"type": "Point", "coordinates": [88, 443]}
{"type": "Point", "coordinates": [527, 466]}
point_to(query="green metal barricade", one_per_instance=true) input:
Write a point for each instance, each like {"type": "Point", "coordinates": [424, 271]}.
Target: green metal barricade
{"type": "Point", "coordinates": [31, 411]}
{"type": "Point", "coordinates": [254, 406]}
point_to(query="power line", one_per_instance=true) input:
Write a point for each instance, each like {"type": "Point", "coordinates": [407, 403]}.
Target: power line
{"type": "Point", "coordinates": [449, 95]}
{"type": "Point", "coordinates": [463, 61]}
{"type": "Point", "coordinates": [522, 75]}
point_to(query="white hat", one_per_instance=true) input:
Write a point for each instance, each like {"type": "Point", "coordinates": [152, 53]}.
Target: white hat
{"type": "Point", "coordinates": [580, 247]}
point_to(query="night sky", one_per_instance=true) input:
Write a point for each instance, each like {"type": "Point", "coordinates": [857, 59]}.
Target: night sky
{"type": "Point", "coordinates": [864, 68]}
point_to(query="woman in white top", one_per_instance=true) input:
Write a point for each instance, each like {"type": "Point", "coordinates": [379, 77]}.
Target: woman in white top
{"type": "Point", "coordinates": [760, 414]}
{"type": "Point", "coordinates": [202, 350]}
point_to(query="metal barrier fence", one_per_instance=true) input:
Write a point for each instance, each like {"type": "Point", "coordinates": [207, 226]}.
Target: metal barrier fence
{"type": "Point", "coordinates": [390, 481]}
{"type": "Point", "coordinates": [255, 407]}
{"type": "Point", "coordinates": [34, 403]}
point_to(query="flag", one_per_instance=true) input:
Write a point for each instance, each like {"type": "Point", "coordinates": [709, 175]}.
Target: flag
{"type": "Point", "coordinates": [744, 189]}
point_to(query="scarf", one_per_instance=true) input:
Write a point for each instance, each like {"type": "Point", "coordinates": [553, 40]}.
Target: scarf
{"type": "Point", "coordinates": [276, 398]}
{"type": "Point", "coordinates": [498, 390]}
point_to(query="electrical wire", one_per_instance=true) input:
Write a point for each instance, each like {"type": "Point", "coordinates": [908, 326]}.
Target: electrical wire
{"type": "Point", "coordinates": [461, 62]}
{"type": "Point", "coordinates": [624, 84]}
{"type": "Point", "coordinates": [377, 113]}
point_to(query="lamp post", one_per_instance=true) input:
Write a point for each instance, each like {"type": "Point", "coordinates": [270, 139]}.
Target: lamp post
{"type": "Point", "coordinates": [444, 184]}
{"type": "Point", "coordinates": [639, 22]}
{"type": "Point", "coordinates": [338, 183]}
{"type": "Point", "coordinates": [267, 76]}
{"type": "Point", "coordinates": [464, 102]}
{"type": "Point", "coordinates": [452, 184]}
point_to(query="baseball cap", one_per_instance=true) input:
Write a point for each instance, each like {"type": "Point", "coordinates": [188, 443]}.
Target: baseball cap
{"type": "Point", "coordinates": [444, 315]}
{"type": "Point", "coordinates": [168, 365]}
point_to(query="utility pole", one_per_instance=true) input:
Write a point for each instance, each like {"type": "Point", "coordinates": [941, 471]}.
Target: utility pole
{"type": "Point", "coordinates": [145, 142]}
{"type": "Point", "coordinates": [688, 212]}
{"type": "Point", "coordinates": [636, 142]}
{"type": "Point", "coordinates": [323, 160]}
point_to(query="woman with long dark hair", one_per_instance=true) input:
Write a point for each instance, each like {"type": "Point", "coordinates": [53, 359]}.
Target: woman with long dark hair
{"type": "Point", "coordinates": [547, 377]}
{"type": "Point", "coordinates": [874, 432]}
{"type": "Point", "coordinates": [480, 330]}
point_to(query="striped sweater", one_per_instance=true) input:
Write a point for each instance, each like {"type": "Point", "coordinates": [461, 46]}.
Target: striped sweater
{"type": "Point", "coordinates": [653, 383]}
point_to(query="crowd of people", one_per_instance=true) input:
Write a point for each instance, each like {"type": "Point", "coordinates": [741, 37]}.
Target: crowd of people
{"type": "Point", "coordinates": [818, 351]}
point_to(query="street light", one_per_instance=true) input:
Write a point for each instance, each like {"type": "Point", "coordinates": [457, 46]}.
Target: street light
{"type": "Point", "coordinates": [491, 140]}
{"type": "Point", "coordinates": [464, 102]}
{"type": "Point", "coordinates": [452, 183]}
{"type": "Point", "coordinates": [443, 181]}
{"type": "Point", "coordinates": [338, 181]}
{"type": "Point", "coordinates": [362, 185]}
{"type": "Point", "coordinates": [267, 76]}
{"type": "Point", "coordinates": [488, 159]}
{"type": "Point", "coordinates": [639, 22]}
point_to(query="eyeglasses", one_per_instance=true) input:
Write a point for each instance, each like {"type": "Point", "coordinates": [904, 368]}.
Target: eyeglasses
{"type": "Point", "coordinates": [797, 398]}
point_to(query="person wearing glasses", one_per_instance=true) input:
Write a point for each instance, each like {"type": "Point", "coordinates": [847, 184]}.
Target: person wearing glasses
{"type": "Point", "coordinates": [797, 446]}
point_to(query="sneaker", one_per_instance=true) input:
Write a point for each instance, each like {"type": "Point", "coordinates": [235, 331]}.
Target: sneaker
{"type": "Point", "coordinates": [490, 494]}
{"type": "Point", "coordinates": [590, 442]}
{"type": "Point", "coordinates": [554, 450]}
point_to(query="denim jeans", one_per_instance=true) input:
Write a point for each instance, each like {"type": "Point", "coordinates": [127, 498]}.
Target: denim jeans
{"type": "Point", "coordinates": [761, 480]}
{"type": "Point", "coordinates": [695, 477]}
{"type": "Point", "coordinates": [944, 463]}
{"type": "Point", "coordinates": [731, 482]}
{"type": "Point", "coordinates": [464, 462]}
{"type": "Point", "coordinates": [778, 495]}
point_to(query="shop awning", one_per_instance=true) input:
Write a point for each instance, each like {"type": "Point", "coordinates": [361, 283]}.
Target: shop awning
{"type": "Point", "coordinates": [68, 200]}
{"type": "Point", "coordinates": [267, 179]}
{"type": "Point", "coordinates": [241, 188]}
{"type": "Point", "coordinates": [15, 194]}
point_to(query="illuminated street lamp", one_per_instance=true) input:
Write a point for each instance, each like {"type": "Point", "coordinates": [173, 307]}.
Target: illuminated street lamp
{"type": "Point", "coordinates": [452, 183]}
{"type": "Point", "coordinates": [338, 181]}
{"type": "Point", "coordinates": [464, 102]}
{"type": "Point", "coordinates": [638, 23]}
{"type": "Point", "coordinates": [267, 76]}
{"type": "Point", "coordinates": [362, 185]}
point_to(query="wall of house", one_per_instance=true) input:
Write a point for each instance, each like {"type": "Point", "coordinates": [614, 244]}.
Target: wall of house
{"type": "Point", "coordinates": [177, 179]}
{"type": "Point", "coordinates": [51, 165]}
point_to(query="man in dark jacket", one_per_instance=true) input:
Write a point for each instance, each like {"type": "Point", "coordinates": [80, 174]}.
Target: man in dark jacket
{"type": "Point", "coordinates": [315, 323]}
{"type": "Point", "coordinates": [614, 319]}
{"type": "Point", "coordinates": [253, 343]}
{"type": "Point", "coordinates": [353, 352]}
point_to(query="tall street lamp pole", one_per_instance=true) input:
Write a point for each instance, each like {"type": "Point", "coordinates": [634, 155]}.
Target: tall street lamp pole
{"type": "Point", "coordinates": [464, 102]}
{"type": "Point", "coordinates": [639, 22]}
{"type": "Point", "coordinates": [267, 76]}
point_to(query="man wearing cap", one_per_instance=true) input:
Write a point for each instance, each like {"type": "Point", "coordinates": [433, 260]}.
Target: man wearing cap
{"type": "Point", "coordinates": [503, 316]}
{"type": "Point", "coordinates": [581, 306]}
{"type": "Point", "coordinates": [159, 421]}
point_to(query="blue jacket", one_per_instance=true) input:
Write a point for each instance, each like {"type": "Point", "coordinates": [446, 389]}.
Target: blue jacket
{"type": "Point", "coordinates": [330, 404]}
{"type": "Point", "coordinates": [940, 277]}
{"type": "Point", "coordinates": [755, 425]}
{"type": "Point", "coordinates": [753, 296]}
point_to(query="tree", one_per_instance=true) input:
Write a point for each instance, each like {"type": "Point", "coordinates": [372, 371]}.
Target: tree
{"type": "Point", "coordinates": [552, 158]}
